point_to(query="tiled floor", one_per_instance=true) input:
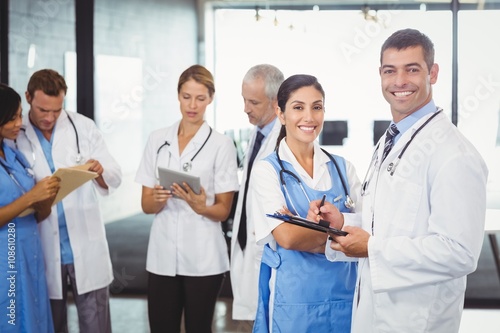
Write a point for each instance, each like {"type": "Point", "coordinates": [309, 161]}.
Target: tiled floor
{"type": "Point", "coordinates": [129, 315]}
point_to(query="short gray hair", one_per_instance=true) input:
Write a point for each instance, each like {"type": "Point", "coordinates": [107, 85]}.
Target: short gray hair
{"type": "Point", "coordinates": [272, 76]}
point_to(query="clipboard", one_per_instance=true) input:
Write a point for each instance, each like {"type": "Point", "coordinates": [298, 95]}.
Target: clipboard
{"type": "Point", "coordinates": [169, 176]}
{"type": "Point", "coordinates": [71, 179]}
{"type": "Point", "coordinates": [323, 226]}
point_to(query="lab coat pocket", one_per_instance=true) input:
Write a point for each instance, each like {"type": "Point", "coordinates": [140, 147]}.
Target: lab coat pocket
{"type": "Point", "coordinates": [93, 224]}
{"type": "Point", "coordinates": [406, 204]}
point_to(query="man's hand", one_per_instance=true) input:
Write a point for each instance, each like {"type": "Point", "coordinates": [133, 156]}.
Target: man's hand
{"type": "Point", "coordinates": [96, 166]}
{"type": "Point", "coordinates": [355, 244]}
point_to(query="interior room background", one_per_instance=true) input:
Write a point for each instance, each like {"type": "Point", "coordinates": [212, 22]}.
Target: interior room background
{"type": "Point", "coordinates": [141, 47]}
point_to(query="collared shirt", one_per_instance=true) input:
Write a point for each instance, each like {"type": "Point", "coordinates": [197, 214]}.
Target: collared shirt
{"type": "Point", "coordinates": [407, 122]}
{"type": "Point", "coordinates": [268, 181]}
{"type": "Point", "coordinates": [267, 128]}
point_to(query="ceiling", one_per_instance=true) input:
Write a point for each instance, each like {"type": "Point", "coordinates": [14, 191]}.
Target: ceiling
{"type": "Point", "coordinates": [347, 4]}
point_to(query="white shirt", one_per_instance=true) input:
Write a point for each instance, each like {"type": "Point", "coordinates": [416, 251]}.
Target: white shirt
{"type": "Point", "coordinates": [181, 241]}
{"type": "Point", "coordinates": [265, 189]}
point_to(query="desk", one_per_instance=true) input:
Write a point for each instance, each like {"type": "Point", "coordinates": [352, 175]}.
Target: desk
{"type": "Point", "coordinates": [492, 226]}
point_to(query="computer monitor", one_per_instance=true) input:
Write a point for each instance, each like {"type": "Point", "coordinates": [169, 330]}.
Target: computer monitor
{"type": "Point", "coordinates": [334, 132]}
{"type": "Point", "coordinates": [379, 128]}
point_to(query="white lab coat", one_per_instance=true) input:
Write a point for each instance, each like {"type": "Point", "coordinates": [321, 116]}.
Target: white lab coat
{"type": "Point", "coordinates": [81, 207]}
{"type": "Point", "coordinates": [245, 266]}
{"type": "Point", "coordinates": [428, 232]}
{"type": "Point", "coordinates": [182, 242]}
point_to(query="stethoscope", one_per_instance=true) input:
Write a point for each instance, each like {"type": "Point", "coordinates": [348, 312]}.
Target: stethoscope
{"type": "Point", "coordinates": [391, 168]}
{"type": "Point", "coordinates": [78, 157]}
{"type": "Point", "coordinates": [187, 166]}
{"type": "Point", "coordinates": [29, 172]}
{"type": "Point", "coordinates": [348, 203]}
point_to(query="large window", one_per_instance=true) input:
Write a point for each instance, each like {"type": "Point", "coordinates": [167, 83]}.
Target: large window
{"type": "Point", "coordinates": [341, 48]}
{"type": "Point", "coordinates": [479, 90]}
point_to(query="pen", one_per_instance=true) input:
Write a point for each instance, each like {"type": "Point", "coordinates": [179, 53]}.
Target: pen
{"type": "Point", "coordinates": [321, 203]}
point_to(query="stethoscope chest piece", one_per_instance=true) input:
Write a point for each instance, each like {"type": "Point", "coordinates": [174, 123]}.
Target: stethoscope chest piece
{"type": "Point", "coordinates": [390, 166]}
{"type": "Point", "coordinates": [187, 166]}
{"type": "Point", "coordinates": [349, 203]}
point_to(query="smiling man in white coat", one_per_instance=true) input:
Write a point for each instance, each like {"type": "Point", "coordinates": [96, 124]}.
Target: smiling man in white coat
{"type": "Point", "coordinates": [73, 236]}
{"type": "Point", "coordinates": [259, 90]}
{"type": "Point", "coordinates": [424, 204]}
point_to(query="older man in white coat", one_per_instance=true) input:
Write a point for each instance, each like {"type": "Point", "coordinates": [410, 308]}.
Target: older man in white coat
{"type": "Point", "coordinates": [424, 205]}
{"type": "Point", "coordinates": [73, 236]}
{"type": "Point", "coordinates": [259, 90]}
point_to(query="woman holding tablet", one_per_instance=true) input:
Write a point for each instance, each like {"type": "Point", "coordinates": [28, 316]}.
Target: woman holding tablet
{"type": "Point", "coordinates": [299, 289]}
{"type": "Point", "coordinates": [187, 253]}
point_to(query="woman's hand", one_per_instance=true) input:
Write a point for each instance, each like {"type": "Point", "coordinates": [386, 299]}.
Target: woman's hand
{"type": "Point", "coordinates": [161, 195]}
{"type": "Point", "coordinates": [285, 211]}
{"type": "Point", "coordinates": [197, 202]}
{"type": "Point", "coordinates": [154, 199]}
{"type": "Point", "coordinates": [44, 191]}
{"type": "Point", "coordinates": [40, 198]}
{"type": "Point", "coordinates": [327, 212]}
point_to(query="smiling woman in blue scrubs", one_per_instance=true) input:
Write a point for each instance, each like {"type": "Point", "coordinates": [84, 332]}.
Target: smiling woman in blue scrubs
{"type": "Point", "coordinates": [24, 302]}
{"type": "Point", "coordinates": [299, 289]}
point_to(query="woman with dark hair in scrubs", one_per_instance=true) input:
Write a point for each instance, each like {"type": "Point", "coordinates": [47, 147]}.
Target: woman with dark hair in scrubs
{"type": "Point", "coordinates": [24, 301]}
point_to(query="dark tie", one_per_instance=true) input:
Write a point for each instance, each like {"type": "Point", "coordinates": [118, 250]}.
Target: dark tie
{"type": "Point", "coordinates": [242, 231]}
{"type": "Point", "coordinates": [392, 131]}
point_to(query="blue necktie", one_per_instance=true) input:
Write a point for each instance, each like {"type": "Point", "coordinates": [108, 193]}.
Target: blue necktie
{"type": "Point", "coordinates": [392, 131]}
{"type": "Point", "coordinates": [242, 231]}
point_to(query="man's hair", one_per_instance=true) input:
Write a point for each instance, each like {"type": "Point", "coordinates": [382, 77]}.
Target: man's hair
{"type": "Point", "coordinates": [403, 39]}
{"type": "Point", "coordinates": [47, 80]}
{"type": "Point", "coordinates": [272, 76]}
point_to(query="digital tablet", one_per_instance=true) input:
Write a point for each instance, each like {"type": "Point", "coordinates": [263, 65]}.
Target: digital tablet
{"type": "Point", "coordinates": [168, 177]}
{"type": "Point", "coordinates": [323, 226]}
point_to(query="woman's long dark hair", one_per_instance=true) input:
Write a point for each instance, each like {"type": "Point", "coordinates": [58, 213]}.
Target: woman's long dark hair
{"type": "Point", "coordinates": [290, 85]}
{"type": "Point", "coordinates": [9, 103]}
